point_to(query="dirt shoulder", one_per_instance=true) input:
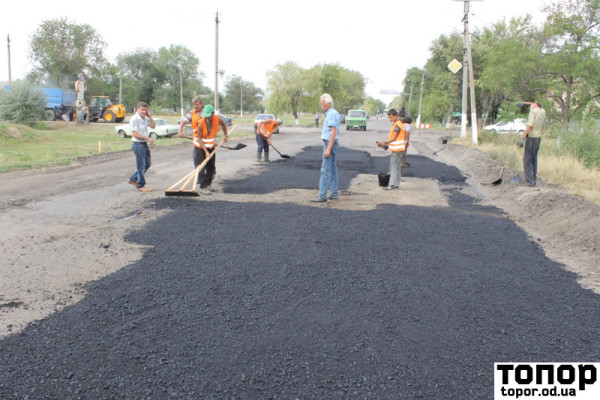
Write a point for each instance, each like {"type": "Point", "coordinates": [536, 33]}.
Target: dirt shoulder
{"type": "Point", "coordinates": [64, 227]}
{"type": "Point", "coordinates": [567, 227]}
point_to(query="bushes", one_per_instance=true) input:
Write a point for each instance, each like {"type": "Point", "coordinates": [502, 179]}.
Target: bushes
{"type": "Point", "coordinates": [22, 104]}
{"type": "Point", "coordinates": [583, 142]}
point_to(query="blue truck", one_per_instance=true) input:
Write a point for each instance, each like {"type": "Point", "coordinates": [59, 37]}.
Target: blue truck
{"type": "Point", "coordinates": [60, 103]}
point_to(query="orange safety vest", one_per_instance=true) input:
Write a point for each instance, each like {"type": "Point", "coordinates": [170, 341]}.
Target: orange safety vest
{"type": "Point", "coordinates": [208, 138]}
{"type": "Point", "coordinates": [195, 121]}
{"type": "Point", "coordinates": [399, 144]}
{"type": "Point", "coordinates": [267, 128]}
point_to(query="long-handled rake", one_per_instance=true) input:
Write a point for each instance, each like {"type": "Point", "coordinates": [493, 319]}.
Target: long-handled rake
{"type": "Point", "coordinates": [185, 181]}
{"type": "Point", "coordinates": [182, 191]}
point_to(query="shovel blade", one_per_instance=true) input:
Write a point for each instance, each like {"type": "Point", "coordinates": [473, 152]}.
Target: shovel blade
{"type": "Point", "coordinates": [499, 180]}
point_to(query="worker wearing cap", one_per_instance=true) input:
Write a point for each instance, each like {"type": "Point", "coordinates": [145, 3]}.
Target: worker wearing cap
{"type": "Point", "coordinates": [264, 130]}
{"type": "Point", "coordinates": [205, 134]}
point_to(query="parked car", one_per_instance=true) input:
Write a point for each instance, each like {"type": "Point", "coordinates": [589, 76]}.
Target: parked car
{"type": "Point", "coordinates": [356, 119]}
{"type": "Point", "coordinates": [505, 127]}
{"type": "Point", "coordinates": [228, 121]}
{"type": "Point", "coordinates": [262, 117]}
{"type": "Point", "coordinates": [163, 129]}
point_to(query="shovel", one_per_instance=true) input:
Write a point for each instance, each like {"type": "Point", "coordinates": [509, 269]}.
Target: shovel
{"type": "Point", "coordinates": [236, 147]}
{"type": "Point", "coordinates": [282, 155]}
{"type": "Point", "coordinates": [499, 180]}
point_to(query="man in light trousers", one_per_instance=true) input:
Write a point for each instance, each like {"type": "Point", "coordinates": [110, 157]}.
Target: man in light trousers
{"type": "Point", "coordinates": [330, 135]}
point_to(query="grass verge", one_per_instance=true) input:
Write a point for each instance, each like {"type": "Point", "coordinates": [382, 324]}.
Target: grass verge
{"type": "Point", "coordinates": [554, 165]}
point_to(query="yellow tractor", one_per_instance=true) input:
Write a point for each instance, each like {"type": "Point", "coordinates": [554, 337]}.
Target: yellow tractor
{"type": "Point", "coordinates": [101, 107]}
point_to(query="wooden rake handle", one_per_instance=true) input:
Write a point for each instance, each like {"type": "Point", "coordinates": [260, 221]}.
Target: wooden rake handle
{"type": "Point", "coordinates": [194, 174]}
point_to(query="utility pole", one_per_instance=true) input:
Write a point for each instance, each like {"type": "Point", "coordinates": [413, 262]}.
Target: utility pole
{"type": "Point", "coordinates": [421, 99]}
{"type": "Point", "coordinates": [473, 99]}
{"type": "Point", "coordinates": [465, 82]}
{"type": "Point", "coordinates": [216, 101]}
{"type": "Point", "coordinates": [241, 98]}
{"type": "Point", "coordinates": [468, 79]}
{"type": "Point", "coordinates": [9, 72]}
{"type": "Point", "coordinates": [181, 92]}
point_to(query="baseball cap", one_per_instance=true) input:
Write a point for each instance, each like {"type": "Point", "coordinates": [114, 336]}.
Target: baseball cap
{"type": "Point", "coordinates": [208, 110]}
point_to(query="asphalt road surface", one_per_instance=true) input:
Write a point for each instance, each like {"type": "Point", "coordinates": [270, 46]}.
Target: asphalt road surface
{"type": "Point", "coordinates": [287, 300]}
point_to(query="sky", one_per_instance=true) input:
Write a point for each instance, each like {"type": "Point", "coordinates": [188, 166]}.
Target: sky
{"type": "Point", "coordinates": [380, 39]}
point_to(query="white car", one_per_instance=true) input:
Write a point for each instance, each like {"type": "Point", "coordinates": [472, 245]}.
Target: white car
{"type": "Point", "coordinates": [515, 126]}
{"type": "Point", "coordinates": [163, 129]}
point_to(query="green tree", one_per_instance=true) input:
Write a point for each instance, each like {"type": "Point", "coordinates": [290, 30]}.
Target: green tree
{"type": "Point", "coordinates": [172, 64]}
{"type": "Point", "coordinates": [60, 50]}
{"type": "Point", "coordinates": [373, 106]}
{"type": "Point", "coordinates": [287, 88]}
{"type": "Point", "coordinates": [442, 92]}
{"type": "Point", "coordinates": [143, 76]}
{"type": "Point", "coordinates": [570, 62]}
{"type": "Point", "coordinates": [511, 61]}
{"type": "Point", "coordinates": [347, 87]}
{"type": "Point", "coordinates": [409, 100]}
{"type": "Point", "coordinates": [241, 94]}
{"type": "Point", "coordinates": [22, 104]}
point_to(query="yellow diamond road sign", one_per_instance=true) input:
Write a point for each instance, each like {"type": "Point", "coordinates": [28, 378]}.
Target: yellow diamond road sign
{"type": "Point", "coordinates": [454, 66]}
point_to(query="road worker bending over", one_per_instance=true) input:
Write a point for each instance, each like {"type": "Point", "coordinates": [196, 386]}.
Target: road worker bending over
{"type": "Point", "coordinates": [264, 130]}
{"type": "Point", "coordinates": [205, 133]}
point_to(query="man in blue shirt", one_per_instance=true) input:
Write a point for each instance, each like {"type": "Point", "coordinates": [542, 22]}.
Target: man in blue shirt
{"type": "Point", "coordinates": [329, 134]}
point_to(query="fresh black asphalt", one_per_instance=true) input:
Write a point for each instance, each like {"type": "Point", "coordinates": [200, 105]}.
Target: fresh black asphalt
{"type": "Point", "coordinates": [285, 301]}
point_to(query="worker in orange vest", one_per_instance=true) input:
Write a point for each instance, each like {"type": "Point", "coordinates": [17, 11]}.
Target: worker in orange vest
{"type": "Point", "coordinates": [206, 126]}
{"type": "Point", "coordinates": [264, 130]}
{"type": "Point", "coordinates": [396, 143]}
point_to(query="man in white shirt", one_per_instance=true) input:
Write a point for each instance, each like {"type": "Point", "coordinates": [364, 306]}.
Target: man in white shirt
{"type": "Point", "coordinates": [139, 136]}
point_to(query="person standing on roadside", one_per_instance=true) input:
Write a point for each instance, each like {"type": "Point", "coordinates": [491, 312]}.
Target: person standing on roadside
{"type": "Point", "coordinates": [204, 142]}
{"type": "Point", "coordinates": [396, 143]}
{"type": "Point", "coordinates": [330, 136]}
{"type": "Point", "coordinates": [531, 139]}
{"type": "Point", "coordinates": [139, 124]}
{"type": "Point", "coordinates": [317, 118]}
{"type": "Point", "coordinates": [406, 121]}
{"type": "Point", "coordinates": [264, 130]}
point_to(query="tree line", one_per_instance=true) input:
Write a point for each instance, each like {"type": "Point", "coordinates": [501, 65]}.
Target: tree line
{"type": "Point", "coordinates": [556, 62]}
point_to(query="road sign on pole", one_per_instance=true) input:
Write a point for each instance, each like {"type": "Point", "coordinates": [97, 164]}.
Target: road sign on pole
{"type": "Point", "coordinates": [454, 66]}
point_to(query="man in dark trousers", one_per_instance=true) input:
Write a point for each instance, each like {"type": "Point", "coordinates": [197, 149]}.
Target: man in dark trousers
{"type": "Point", "coordinates": [531, 140]}
{"type": "Point", "coordinates": [204, 142]}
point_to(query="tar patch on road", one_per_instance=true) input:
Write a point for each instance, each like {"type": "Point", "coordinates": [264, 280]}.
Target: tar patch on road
{"type": "Point", "coordinates": [302, 171]}
{"type": "Point", "coordinates": [268, 300]}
